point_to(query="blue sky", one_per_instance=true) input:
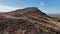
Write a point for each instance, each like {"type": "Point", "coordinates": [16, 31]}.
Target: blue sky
{"type": "Point", "coordinates": [46, 6]}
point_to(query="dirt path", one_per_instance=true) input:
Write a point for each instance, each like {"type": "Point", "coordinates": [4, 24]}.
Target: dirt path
{"type": "Point", "coordinates": [12, 17]}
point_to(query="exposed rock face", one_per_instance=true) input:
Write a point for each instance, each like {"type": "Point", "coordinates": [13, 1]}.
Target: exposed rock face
{"type": "Point", "coordinates": [28, 21]}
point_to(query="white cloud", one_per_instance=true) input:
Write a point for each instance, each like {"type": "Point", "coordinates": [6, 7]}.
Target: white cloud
{"type": "Point", "coordinates": [6, 8]}
{"type": "Point", "coordinates": [42, 3]}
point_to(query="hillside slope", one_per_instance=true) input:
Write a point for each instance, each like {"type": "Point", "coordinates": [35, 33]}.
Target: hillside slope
{"type": "Point", "coordinates": [28, 21]}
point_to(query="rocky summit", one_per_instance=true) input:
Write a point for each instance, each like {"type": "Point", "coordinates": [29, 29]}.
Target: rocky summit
{"type": "Point", "coordinates": [28, 21]}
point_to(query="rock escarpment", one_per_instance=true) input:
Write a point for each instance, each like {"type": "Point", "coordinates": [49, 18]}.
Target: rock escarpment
{"type": "Point", "coordinates": [28, 21]}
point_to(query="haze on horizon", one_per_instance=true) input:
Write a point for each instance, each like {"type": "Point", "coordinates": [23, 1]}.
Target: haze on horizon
{"type": "Point", "coordinates": [47, 6]}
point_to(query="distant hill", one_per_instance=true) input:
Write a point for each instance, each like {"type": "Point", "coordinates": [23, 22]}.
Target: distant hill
{"type": "Point", "coordinates": [28, 21]}
{"type": "Point", "coordinates": [54, 15]}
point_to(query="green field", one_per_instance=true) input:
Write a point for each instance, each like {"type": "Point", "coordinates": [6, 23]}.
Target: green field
{"type": "Point", "coordinates": [57, 18]}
